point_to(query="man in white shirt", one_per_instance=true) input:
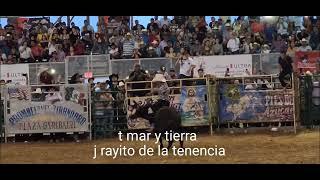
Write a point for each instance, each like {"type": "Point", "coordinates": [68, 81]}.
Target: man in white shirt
{"type": "Point", "coordinates": [25, 53]}
{"type": "Point", "coordinates": [186, 67]}
{"type": "Point", "coordinates": [165, 20]}
{"type": "Point", "coordinates": [304, 46]}
{"type": "Point", "coordinates": [233, 44]}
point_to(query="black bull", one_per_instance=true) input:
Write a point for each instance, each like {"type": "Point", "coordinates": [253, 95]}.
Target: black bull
{"type": "Point", "coordinates": [165, 119]}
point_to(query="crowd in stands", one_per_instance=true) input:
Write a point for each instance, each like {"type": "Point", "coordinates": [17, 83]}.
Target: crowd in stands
{"type": "Point", "coordinates": [162, 37]}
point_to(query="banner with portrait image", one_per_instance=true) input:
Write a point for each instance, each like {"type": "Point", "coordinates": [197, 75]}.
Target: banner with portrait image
{"type": "Point", "coordinates": [194, 106]}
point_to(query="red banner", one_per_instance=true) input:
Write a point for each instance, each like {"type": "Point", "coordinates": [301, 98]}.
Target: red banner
{"type": "Point", "coordinates": [307, 61]}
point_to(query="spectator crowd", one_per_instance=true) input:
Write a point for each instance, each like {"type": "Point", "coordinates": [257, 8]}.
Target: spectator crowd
{"type": "Point", "coordinates": [164, 37]}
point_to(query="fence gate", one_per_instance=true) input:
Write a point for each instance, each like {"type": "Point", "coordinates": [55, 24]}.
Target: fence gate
{"type": "Point", "coordinates": [310, 100]}
{"type": "Point", "coordinates": [108, 114]}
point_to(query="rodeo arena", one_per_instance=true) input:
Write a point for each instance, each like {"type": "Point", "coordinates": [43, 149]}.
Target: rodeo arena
{"type": "Point", "coordinates": [250, 84]}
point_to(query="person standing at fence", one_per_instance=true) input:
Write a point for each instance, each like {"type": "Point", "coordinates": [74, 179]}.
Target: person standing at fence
{"type": "Point", "coordinates": [286, 68]}
{"type": "Point", "coordinates": [138, 75]}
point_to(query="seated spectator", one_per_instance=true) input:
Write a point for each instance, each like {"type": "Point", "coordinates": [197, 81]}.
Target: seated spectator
{"type": "Point", "coordinates": [217, 48]}
{"type": "Point", "coordinates": [207, 48]}
{"type": "Point", "coordinates": [61, 55]}
{"type": "Point", "coordinates": [278, 44]}
{"type": "Point", "coordinates": [41, 35]}
{"type": "Point", "coordinates": [256, 49]}
{"type": "Point", "coordinates": [156, 48]}
{"type": "Point", "coordinates": [163, 44]}
{"type": "Point", "coordinates": [137, 26]}
{"type": "Point", "coordinates": [151, 52]}
{"type": "Point", "coordinates": [64, 35]}
{"type": "Point", "coordinates": [245, 47]}
{"type": "Point", "coordinates": [26, 53]}
{"type": "Point", "coordinates": [114, 52]}
{"type": "Point", "coordinates": [200, 82]}
{"type": "Point", "coordinates": [304, 46]}
{"type": "Point", "coordinates": [66, 46]}
{"type": "Point", "coordinates": [44, 42]}
{"type": "Point", "coordinates": [291, 51]}
{"type": "Point", "coordinates": [87, 40]}
{"type": "Point", "coordinates": [164, 31]}
{"type": "Point", "coordinates": [195, 48]}
{"type": "Point", "coordinates": [79, 48]}
{"type": "Point", "coordinates": [74, 35]}
{"type": "Point", "coordinates": [37, 51]}
{"type": "Point", "coordinates": [128, 46]}
{"type": "Point", "coordinates": [71, 51]}
{"type": "Point", "coordinates": [52, 47]}
{"type": "Point", "coordinates": [54, 57]}
{"type": "Point", "coordinates": [315, 39]}
{"type": "Point", "coordinates": [171, 54]}
{"type": "Point", "coordinates": [136, 54]}
{"type": "Point", "coordinates": [265, 49]}
{"type": "Point", "coordinates": [99, 45]}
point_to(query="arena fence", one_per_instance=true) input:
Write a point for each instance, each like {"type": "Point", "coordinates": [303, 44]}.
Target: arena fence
{"type": "Point", "coordinates": [187, 95]}
{"type": "Point", "coordinates": [255, 101]}
{"type": "Point", "coordinates": [108, 113]}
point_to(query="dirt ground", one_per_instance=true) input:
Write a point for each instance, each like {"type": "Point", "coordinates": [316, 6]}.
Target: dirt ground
{"type": "Point", "coordinates": [258, 148]}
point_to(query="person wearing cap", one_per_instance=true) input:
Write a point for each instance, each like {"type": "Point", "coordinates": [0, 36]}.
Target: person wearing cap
{"type": "Point", "coordinates": [161, 88]}
{"type": "Point", "coordinates": [304, 46]}
{"type": "Point", "coordinates": [138, 75]}
{"type": "Point", "coordinates": [163, 72]}
{"type": "Point", "coordinates": [200, 82]}
{"type": "Point", "coordinates": [128, 46]}
{"type": "Point", "coordinates": [286, 68]}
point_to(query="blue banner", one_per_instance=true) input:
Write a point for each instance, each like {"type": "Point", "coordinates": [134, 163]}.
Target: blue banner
{"type": "Point", "coordinates": [238, 104]}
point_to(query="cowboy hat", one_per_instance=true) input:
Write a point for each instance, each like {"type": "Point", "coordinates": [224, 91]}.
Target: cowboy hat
{"type": "Point", "coordinates": [114, 75]}
{"type": "Point", "coordinates": [159, 78]}
{"type": "Point", "coordinates": [38, 90]}
{"type": "Point", "coordinates": [121, 84]}
{"type": "Point", "coordinates": [42, 69]}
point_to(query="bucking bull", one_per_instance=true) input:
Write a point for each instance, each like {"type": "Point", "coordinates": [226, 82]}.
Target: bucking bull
{"type": "Point", "coordinates": [164, 118]}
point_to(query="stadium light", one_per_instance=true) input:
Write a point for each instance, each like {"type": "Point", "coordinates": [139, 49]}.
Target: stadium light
{"type": "Point", "coordinates": [52, 71]}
